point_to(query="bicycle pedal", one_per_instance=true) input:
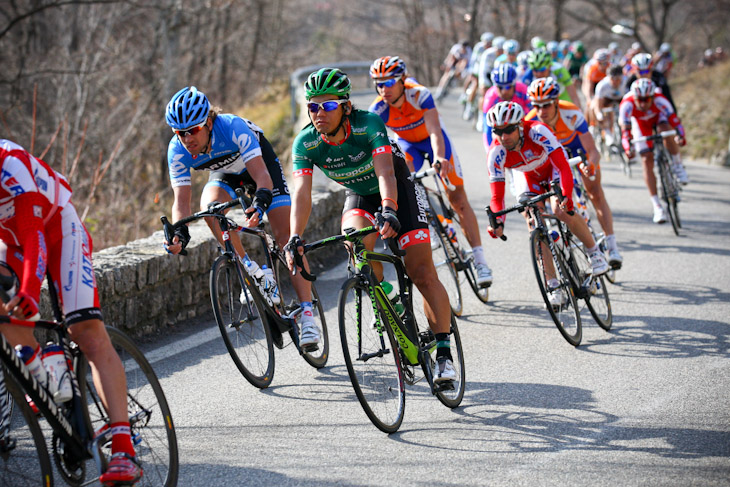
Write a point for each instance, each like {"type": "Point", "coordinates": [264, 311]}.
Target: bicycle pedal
{"type": "Point", "coordinates": [310, 348]}
{"type": "Point", "coordinates": [444, 386]}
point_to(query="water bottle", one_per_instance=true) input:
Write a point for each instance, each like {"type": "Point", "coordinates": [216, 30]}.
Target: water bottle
{"type": "Point", "coordinates": [32, 359]}
{"type": "Point", "coordinates": [450, 230]}
{"type": "Point", "coordinates": [555, 236]}
{"type": "Point", "coordinates": [270, 284]}
{"type": "Point", "coordinates": [394, 297]}
{"type": "Point", "coordinates": [59, 377]}
{"type": "Point", "coordinates": [253, 268]}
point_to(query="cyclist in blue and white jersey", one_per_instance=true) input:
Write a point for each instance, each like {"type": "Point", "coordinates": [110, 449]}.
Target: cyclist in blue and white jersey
{"type": "Point", "coordinates": [237, 154]}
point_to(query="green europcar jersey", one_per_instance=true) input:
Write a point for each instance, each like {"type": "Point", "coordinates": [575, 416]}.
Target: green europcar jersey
{"type": "Point", "coordinates": [350, 163]}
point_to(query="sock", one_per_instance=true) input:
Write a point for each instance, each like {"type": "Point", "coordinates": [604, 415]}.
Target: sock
{"type": "Point", "coordinates": [676, 158]}
{"type": "Point", "coordinates": [121, 438]}
{"type": "Point", "coordinates": [478, 253]}
{"type": "Point", "coordinates": [443, 345]}
{"type": "Point", "coordinates": [655, 201]}
{"type": "Point", "coordinates": [592, 249]}
{"type": "Point", "coordinates": [611, 242]}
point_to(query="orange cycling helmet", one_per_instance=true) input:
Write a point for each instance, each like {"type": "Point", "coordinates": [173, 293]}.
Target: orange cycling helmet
{"type": "Point", "coordinates": [543, 90]}
{"type": "Point", "coordinates": [388, 67]}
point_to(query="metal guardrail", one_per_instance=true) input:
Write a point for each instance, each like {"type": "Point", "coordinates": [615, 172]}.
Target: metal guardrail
{"type": "Point", "coordinates": [297, 78]}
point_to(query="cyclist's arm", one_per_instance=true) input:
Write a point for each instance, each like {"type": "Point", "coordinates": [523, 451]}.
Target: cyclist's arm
{"type": "Point", "coordinates": [301, 201]}
{"type": "Point", "coordinates": [433, 125]}
{"type": "Point", "coordinates": [385, 172]}
{"type": "Point", "coordinates": [256, 167]}
{"type": "Point", "coordinates": [181, 207]}
{"type": "Point", "coordinates": [589, 145]}
{"type": "Point", "coordinates": [32, 239]}
{"type": "Point", "coordinates": [573, 94]}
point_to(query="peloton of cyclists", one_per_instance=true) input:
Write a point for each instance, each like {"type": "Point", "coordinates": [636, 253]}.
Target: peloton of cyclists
{"type": "Point", "coordinates": [642, 110]}
{"type": "Point", "coordinates": [409, 110]}
{"type": "Point", "coordinates": [352, 148]}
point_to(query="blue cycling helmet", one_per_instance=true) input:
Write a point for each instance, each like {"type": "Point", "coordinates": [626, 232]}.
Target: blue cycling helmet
{"type": "Point", "coordinates": [504, 74]}
{"type": "Point", "coordinates": [187, 108]}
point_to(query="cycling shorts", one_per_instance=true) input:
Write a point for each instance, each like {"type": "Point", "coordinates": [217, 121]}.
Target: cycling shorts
{"type": "Point", "coordinates": [230, 182]}
{"type": "Point", "coordinates": [411, 212]}
{"type": "Point", "coordinates": [69, 265]}
{"type": "Point", "coordinates": [416, 153]}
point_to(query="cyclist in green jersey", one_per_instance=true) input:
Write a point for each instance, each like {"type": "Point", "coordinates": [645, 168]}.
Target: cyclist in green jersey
{"type": "Point", "coordinates": [352, 148]}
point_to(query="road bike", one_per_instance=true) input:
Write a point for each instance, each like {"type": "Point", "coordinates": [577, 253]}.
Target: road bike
{"type": "Point", "coordinates": [80, 426]}
{"type": "Point", "coordinates": [452, 254]}
{"type": "Point", "coordinates": [250, 322]}
{"type": "Point", "coordinates": [670, 186]}
{"type": "Point", "coordinates": [558, 254]}
{"type": "Point", "coordinates": [384, 349]}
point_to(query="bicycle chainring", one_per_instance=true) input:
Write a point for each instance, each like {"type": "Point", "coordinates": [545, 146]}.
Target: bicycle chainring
{"type": "Point", "coordinates": [71, 468]}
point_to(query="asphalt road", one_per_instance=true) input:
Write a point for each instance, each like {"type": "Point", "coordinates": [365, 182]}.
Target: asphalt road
{"type": "Point", "coordinates": [643, 404]}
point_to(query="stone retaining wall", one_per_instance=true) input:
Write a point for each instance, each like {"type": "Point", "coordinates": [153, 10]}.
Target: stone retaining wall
{"type": "Point", "coordinates": [143, 289]}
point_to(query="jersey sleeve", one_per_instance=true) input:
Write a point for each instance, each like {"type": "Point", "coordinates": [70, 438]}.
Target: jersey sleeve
{"type": "Point", "coordinates": [177, 167]}
{"type": "Point", "coordinates": [245, 139]}
{"type": "Point", "coordinates": [302, 160]}
{"type": "Point", "coordinates": [496, 158]}
{"type": "Point", "coordinates": [624, 112]}
{"type": "Point", "coordinates": [562, 76]}
{"type": "Point", "coordinates": [377, 134]}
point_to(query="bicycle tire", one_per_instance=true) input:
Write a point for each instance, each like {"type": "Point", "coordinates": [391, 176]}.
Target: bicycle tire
{"type": "Point", "coordinates": [669, 188]}
{"type": "Point", "coordinates": [566, 317]}
{"type": "Point", "coordinates": [289, 302]}
{"type": "Point", "coordinates": [28, 462]}
{"type": "Point", "coordinates": [596, 295]}
{"type": "Point", "coordinates": [466, 260]}
{"type": "Point", "coordinates": [243, 326]}
{"type": "Point", "coordinates": [152, 427]}
{"type": "Point", "coordinates": [446, 270]}
{"type": "Point", "coordinates": [375, 371]}
{"type": "Point", "coordinates": [452, 398]}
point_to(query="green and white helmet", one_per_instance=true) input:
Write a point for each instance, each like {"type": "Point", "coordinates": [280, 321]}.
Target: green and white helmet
{"type": "Point", "coordinates": [327, 81]}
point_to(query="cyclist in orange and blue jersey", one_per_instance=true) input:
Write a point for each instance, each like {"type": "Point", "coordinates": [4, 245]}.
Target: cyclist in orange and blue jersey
{"type": "Point", "coordinates": [409, 110]}
{"type": "Point", "coordinates": [566, 121]}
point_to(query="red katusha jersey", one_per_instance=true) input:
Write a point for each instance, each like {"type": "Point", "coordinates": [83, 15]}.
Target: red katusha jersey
{"type": "Point", "coordinates": [407, 121]}
{"type": "Point", "coordinates": [31, 195]}
{"type": "Point", "coordinates": [540, 159]}
{"type": "Point", "coordinates": [659, 111]}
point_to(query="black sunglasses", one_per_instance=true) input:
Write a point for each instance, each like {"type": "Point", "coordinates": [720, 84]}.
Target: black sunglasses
{"type": "Point", "coordinates": [504, 130]}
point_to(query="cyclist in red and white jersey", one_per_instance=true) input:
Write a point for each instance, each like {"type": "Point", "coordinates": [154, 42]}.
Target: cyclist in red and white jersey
{"type": "Point", "coordinates": [535, 157]}
{"type": "Point", "coordinates": [641, 111]}
{"type": "Point", "coordinates": [41, 233]}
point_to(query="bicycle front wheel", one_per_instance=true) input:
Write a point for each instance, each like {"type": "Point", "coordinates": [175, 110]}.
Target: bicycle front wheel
{"type": "Point", "coordinates": [24, 459]}
{"type": "Point", "coordinates": [594, 289]}
{"type": "Point", "coordinates": [371, 356]}
{"type": "Point", "coordinates": [152, 428]}
{"type": "Point", "coordinates": [242, 322]}
{"type": "Point", "coordinates": [564, 312]}
{"type": "Point", "coordinates": [669, 191]}
{"type": "Point", "coordinates": [465, 262]}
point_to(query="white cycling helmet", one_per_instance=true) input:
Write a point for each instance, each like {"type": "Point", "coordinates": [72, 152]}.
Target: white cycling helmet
{"type": "Point", "coordinates": [613, 46]}
{"type": "Point", "coordinates": [498, 42]}
{"type": "Point", "coordinates": [665, 47]}
{"type": "Point", "coordinates": [505, 113]}
{"type": "Point", "coordinates": [641, 61]}
{"type": "Point", "coordinates": [486, 37]}
{"type": "Point", "coordinates": [643, 87]}
{"type": "Point", "coordinates": [511, 47]}
{"type": "Point", "coordinates": [601, 55]}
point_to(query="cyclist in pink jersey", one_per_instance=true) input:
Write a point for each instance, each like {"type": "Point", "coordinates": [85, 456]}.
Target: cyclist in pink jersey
{"type": "Point", "coordinates": [41, 232]}
{"type": "Point", "coordinates": [505, 87]}
{"type": "Point", "coordinates": [535, 157]}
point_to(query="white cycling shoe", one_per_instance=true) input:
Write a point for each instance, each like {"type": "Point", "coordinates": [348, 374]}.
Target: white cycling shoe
{"type": "Point", "coordinates": [557, 298]}
{"type": "Point", "coordinates": [681, 173]}
{"type": "Point", "coordinates": [309, 335]}
{"type": "Point", "coordinates": [660, 216]}
{"type": "Point", "coordinates": [484, 275]}
{"type": "Point", "coordinates": [443, 370]}
{"type": "Point", "coordinates": [599, 265]}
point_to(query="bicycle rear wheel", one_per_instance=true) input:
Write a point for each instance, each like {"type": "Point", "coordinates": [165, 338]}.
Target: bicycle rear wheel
{"type": "Point", "coordinates": [241, 320]}
{"type": "Point", "coordinates": [24, 459]}
{"type": "Point", "coordinates": [289, 302]}
{"type": "Point", "coordinates": [446, 270]}
{"type": "Point", "coordinates": [371, 356]}
{"type": "Point", "coordinates": [153, 431]}
{"type": "Point", "coordinates": [566, 316]}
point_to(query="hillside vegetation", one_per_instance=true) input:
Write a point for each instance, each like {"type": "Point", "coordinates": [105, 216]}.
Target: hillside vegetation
{"type": "Point", "coordinates": [702, 99]}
